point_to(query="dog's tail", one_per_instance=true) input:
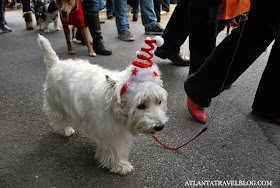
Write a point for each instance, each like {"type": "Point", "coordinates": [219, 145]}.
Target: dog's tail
{"type": "Point", "coordinates": [50, 55]}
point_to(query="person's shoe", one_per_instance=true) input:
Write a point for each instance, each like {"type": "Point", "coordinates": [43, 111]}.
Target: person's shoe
{"type": "Point", "coordinates": [176, 58]}
{"type": "Point", "coordinates": [100, 48]}
{"type": "Point", "coordinates": [156, 30]}
{"type": "Point", "coordinates": [110, 16]}
{"type": "Point", "coordinates": [163, 12]}
{"type": "Point", "coordinates": [5, 29]}
{"type": "Point", "coordinates": [28, 20]}
{"type": "Point", "coordinates": [126, 35]}
{"type": "Point", "coordinates": [197, 111]}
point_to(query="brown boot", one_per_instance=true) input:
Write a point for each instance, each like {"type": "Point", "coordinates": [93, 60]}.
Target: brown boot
{"type": "Point", "coordinates": [28, 19]}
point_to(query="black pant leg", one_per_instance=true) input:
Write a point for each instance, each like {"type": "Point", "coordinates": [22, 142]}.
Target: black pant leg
{"type": "Point", "coordinates": [26, 6]}
{"type": "Point", "coordinates": [135, 5]}
{"type": "Point", "coordinates": [165, 5]}
{"type": "Point", "coordinates": [177, 29]}
{"type": "Point", "coordinates": [203, 31]}
{"type": "Point", "coordinates": [157, 9]}
{"type": "Point", "coordinates": [267, 98]}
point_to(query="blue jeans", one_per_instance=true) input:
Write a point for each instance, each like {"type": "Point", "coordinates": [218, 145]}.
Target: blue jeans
{"type": "Point", "coordinates": [148, 15]}
{"type": "Point", "coordinates": [91, 6]}
{"type": "Point", "coordinates": [101, 4]}
{"type": "Point", "coordinates": [256, 36]}
{"type": "Point", "coordinates": [2, 13]}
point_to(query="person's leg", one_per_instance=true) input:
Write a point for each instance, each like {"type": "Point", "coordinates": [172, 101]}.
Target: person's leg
{"type": "Point", "coordinates": [165, 5]}
{"type": "Point", "coordinates": [27, 14]}
{"type": "Point", "coordinates": [101, 4]}
{"type": "Point", "coordinates": [110, 9]}
{"type": "Point", "coordinates": [177, 29]}
{"type": "Point", "coordinates": [135, 8]}
{"type": "Point", "coordinates": [26, 6]}
{"type": "Point", "coordinates": [2, 14]}
{"type": "Point", "coordinates": [120, 8]}
{"type": "Point", "coordinates": [157, 9]}
{"type": "Point", "coordinates": [148, 14]}
{"type": "Point", "coordinates": [91, 16]}
{"type": "Point", "coordinates": [122, 22]}
{"type": "Point", "coordinates": [256, 36]}
{"type": "Point", "coordinates": [267, 98]}
{"type": "Point", "coordinates": [203, 22]}
{"type": "Point", "coordinates": [175, 34]}
{"type": "Point", "coordinates": [3, 26]}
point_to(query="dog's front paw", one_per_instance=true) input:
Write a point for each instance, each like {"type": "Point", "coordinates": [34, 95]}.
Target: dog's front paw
{"type": "Point", "coordinates": [57, 29]}
{"type": "Point", "coordinates": [46, 30]}
{"type": "Point", "coordinates": [68, 131]}
{"type": "Point", "coordinates": [92, 54]}
{"type": "Point", "coordinates": [71, 52]}
{"type": "Point", "coordinates": [124, 168]}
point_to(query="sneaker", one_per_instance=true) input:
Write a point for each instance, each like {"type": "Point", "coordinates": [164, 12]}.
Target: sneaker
{"type": "Point", "coordinates": [126, 35]}
{"type": "Point", "coordinates": [6, 29]}
{"type": "Point", "coordinates": [163, 12]}
{"type": "Point", "coordinates": [156, 30]}
{"type": "Point", "coordinates": [110, 16]}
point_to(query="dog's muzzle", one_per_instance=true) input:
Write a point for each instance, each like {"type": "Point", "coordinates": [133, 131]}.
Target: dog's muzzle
{"type": "Point", "coordinates": [158, 128]}
{"type": "Point", "coordinates": [63, 13]}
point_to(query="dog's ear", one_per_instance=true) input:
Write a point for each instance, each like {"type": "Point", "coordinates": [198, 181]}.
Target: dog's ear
{"type": "Point", "coordinates": [115, 87]}
{"type": "Point", "coordinates": [110, 80]}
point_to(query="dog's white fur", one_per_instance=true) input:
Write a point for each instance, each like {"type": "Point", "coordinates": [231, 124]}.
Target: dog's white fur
{"type": "Point", "coordinates": [87, 97]}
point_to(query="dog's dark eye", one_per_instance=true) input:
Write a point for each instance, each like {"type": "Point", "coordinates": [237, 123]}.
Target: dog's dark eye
{"type": "Point", "coordinates": [142, 106]}
{"type": "Point", "coordinates": [159, 103]}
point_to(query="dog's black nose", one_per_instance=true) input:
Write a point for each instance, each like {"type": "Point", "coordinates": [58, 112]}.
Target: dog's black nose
{"type": "Point", "coordinates": [63, 11]}
{"type": "Point", "coordinates": [158, 128]}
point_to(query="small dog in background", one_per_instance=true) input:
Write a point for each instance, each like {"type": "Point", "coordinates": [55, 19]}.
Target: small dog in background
{"type": "Point", "coordinates": [111, 107]}
{"type": "Point", "coordinates": [45, 14]}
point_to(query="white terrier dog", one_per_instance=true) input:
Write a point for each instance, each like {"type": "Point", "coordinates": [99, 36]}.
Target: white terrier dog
{"type": "Point", "coordinates": [111, 107]}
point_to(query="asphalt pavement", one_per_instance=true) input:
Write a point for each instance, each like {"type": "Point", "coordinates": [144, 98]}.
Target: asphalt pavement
{"type": "Point", "coordinates": [237, 149]}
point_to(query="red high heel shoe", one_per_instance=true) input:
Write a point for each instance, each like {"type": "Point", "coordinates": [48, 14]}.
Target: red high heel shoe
{"type": "Point", "coordinates": [197, 111]}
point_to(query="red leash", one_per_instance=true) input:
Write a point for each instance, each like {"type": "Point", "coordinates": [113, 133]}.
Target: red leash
{"type": "Point", "coordinates": [167, 147]}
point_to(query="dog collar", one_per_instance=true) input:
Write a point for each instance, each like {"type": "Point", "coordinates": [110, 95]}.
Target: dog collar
{"type": "Point", "coordinates": [123, 91]}
{"type": "Point", "coordinates": [74, 9]}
